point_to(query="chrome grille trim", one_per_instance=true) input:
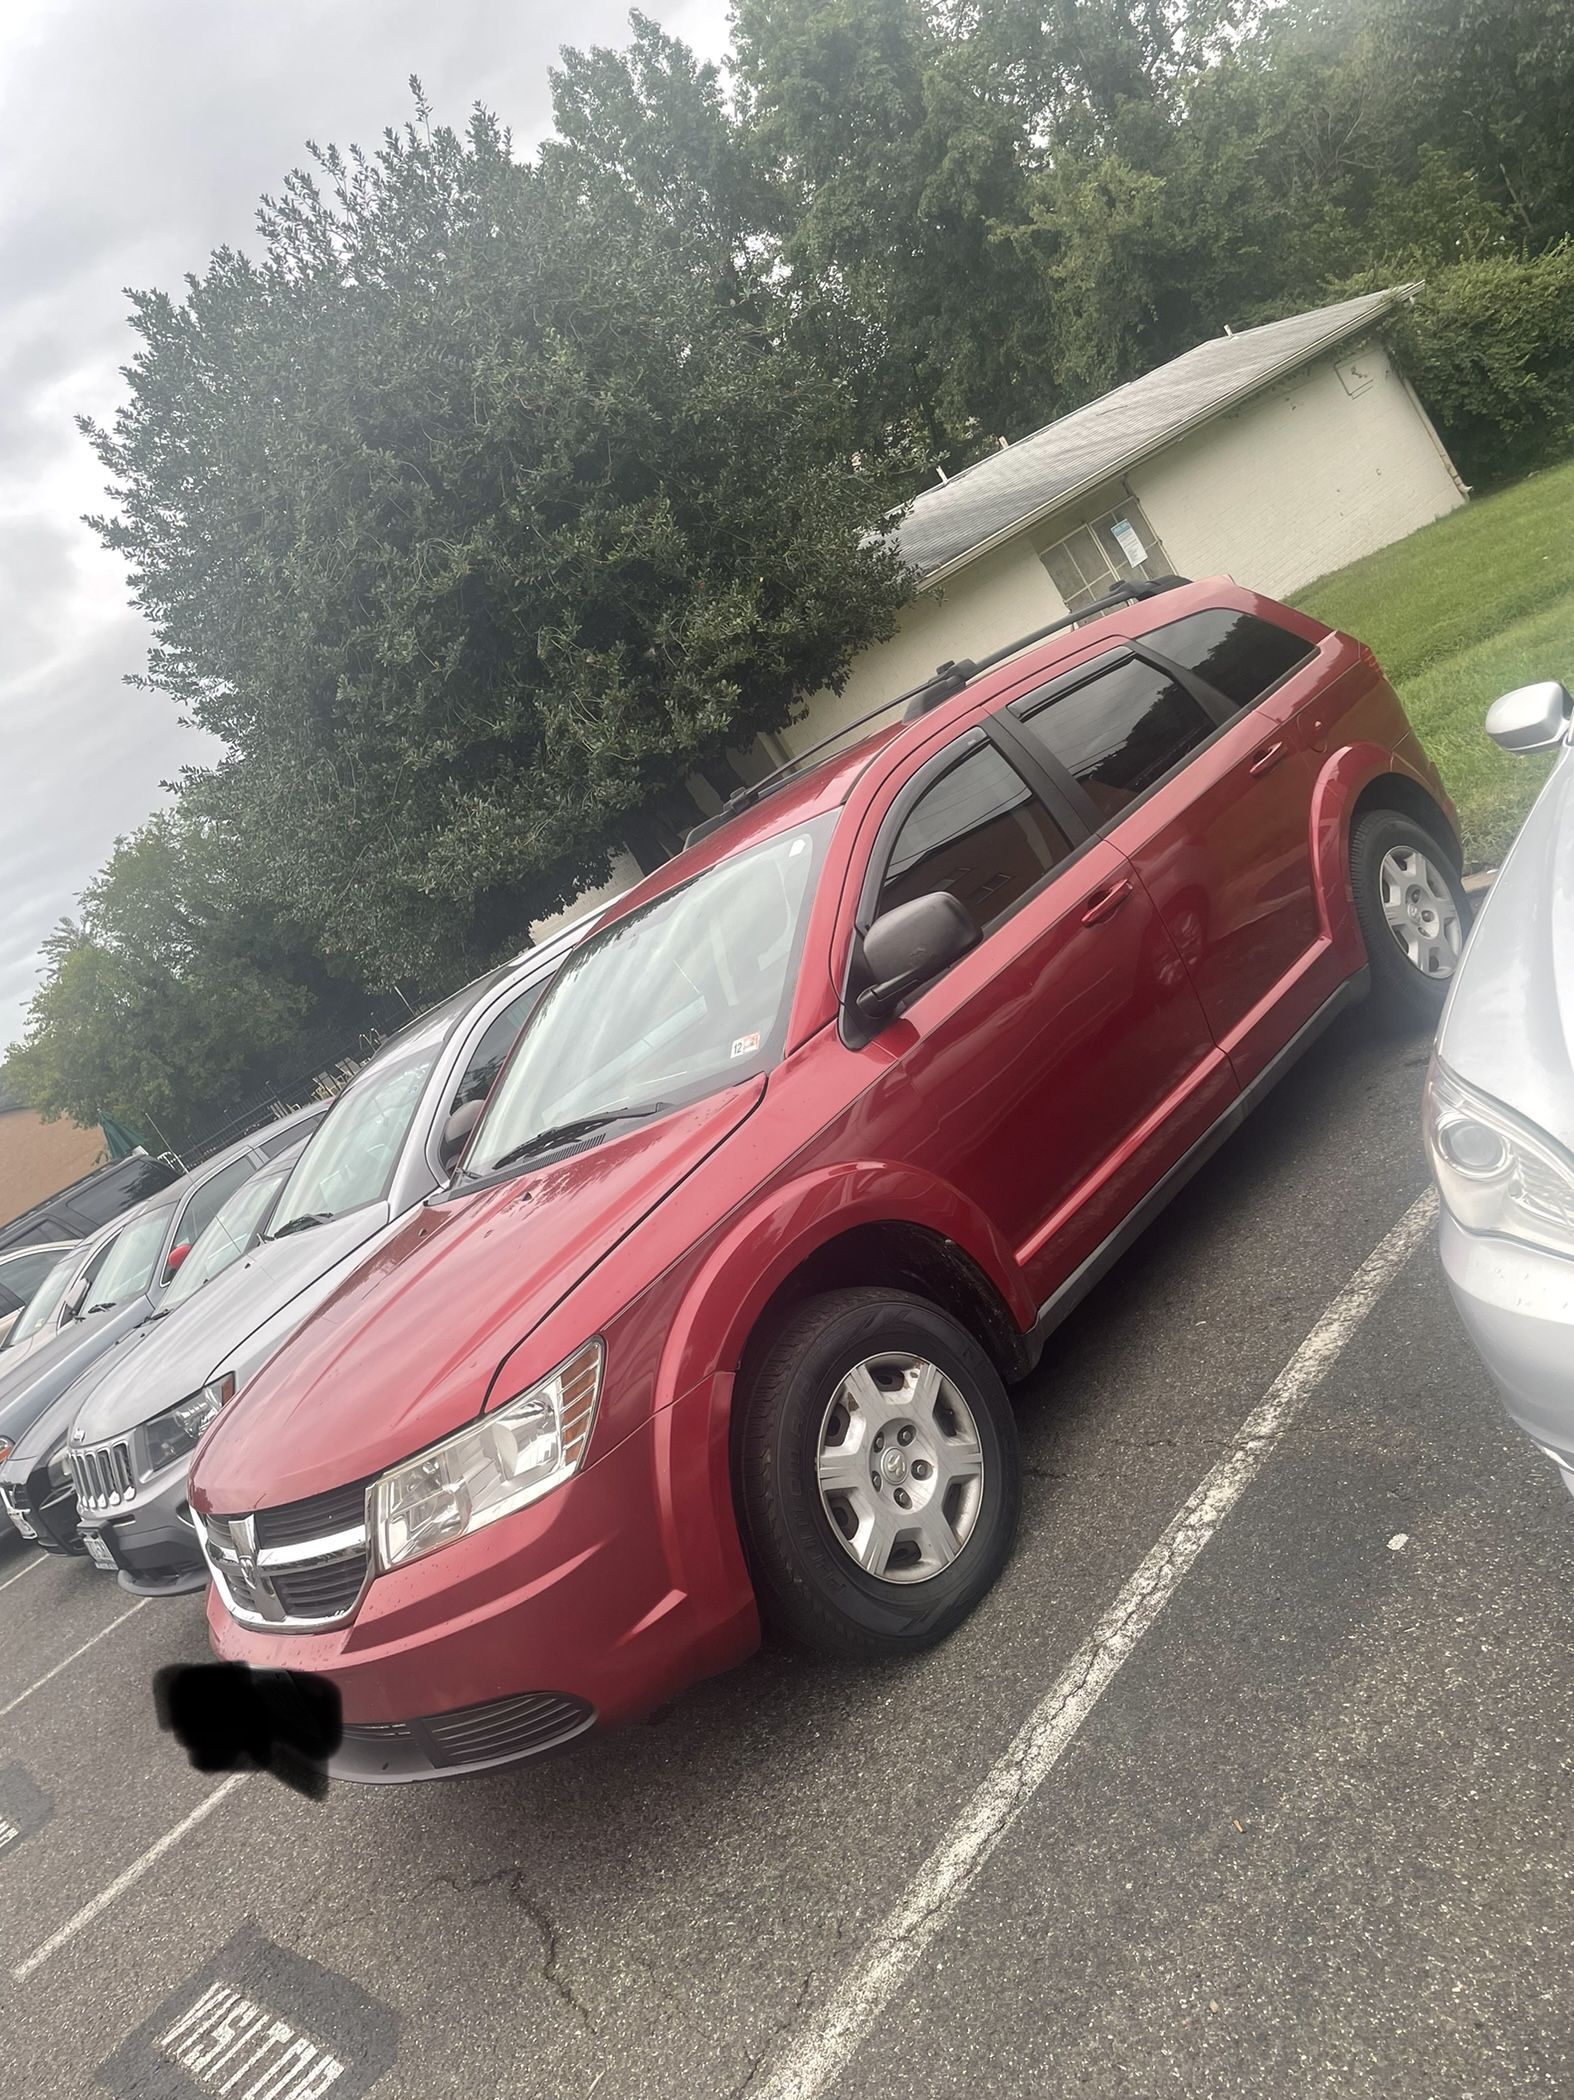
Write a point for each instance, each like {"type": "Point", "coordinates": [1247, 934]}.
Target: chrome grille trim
{"type": "Point", "coordinates": [103, 1475]}
{"type": "Point", "coordinates": [255, 1582]}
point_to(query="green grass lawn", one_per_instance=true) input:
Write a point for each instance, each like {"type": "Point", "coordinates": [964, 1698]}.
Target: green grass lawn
{"type": "Point", "coordinates": [1458, 613]}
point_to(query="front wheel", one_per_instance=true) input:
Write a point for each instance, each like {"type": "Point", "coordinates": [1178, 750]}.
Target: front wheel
{"type": "Point", "coordinates": [1413, 914]}
{"type": "Point", "coordinates": [880, 1479]}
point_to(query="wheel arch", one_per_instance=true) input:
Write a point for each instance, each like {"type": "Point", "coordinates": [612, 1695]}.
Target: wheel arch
{"type": "Point", "coordinates": [1406, 797]}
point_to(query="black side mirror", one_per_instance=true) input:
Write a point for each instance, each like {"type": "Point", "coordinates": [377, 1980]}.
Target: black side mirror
{"type": "Point", "coordinates": [904, 948]}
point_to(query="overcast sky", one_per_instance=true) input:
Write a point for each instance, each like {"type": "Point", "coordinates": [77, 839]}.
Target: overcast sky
{"type": "Point", "coordinates": [134, 139]}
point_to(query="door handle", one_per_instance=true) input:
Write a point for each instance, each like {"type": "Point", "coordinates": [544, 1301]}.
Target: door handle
{"type": "Point", "coordinates": [1106, 902]}
{"type": "Point", "coordinates": [1267, 758]}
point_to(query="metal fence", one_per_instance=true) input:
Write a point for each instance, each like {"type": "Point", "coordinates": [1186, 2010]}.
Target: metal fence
{"type": "Point", "coordinates": [322, 1084]}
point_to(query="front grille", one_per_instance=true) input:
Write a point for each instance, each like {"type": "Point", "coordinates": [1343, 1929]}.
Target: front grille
{"type": "Point", "coordinates": [103, 1475]}
{"type": "Point", "coordinates": [523, 1726]}
{"type": "Point", "coordinates": [321, 1593]}
{"type": "Point", "coordinates": [320, 1516]}
{"type": "Point", "coordinates": [304, 1564]}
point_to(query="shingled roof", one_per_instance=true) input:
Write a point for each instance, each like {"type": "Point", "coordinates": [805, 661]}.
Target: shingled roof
{"type": "Point", "coordinates": [985, 503]}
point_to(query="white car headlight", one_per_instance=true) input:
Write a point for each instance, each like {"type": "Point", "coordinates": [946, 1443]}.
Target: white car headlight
{"type": "Point", "coordinates": [513, 1456]}
{"type": "Point", "coordinates": [1497, 1173]}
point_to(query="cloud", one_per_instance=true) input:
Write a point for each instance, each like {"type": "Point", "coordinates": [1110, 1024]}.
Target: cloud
{"type": "Point", "coordinates": [133, 141]}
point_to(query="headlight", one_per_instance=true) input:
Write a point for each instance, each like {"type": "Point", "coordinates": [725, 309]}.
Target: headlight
{"type": "Point", "coordinates": [170, 1436]}
{"type": "Point", "coordinates": [511, 1457]}
{"type": "Point", "coordinates": [1496, 1173]}
{"type": "Point", "coordinates": [59, 1469]}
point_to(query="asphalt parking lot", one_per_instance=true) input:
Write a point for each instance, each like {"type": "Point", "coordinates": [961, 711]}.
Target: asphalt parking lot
{"type": "Point", "coordinates": [1300, 1825]}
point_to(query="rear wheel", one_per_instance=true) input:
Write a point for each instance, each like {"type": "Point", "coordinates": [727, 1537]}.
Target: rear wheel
{"type": "Point", "coordinates": [1413, 914]}
{"type": "Point", "coordinates": [879, 1474]}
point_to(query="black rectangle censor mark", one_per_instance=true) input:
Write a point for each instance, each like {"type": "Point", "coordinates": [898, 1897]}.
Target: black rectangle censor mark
{"type": "Point", "coordinates": [257, 2023]}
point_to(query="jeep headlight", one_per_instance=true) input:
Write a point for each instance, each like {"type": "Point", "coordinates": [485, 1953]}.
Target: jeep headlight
{"type": "Point", "coordinates": [1495, 1172]}
{"type": "Point", "coordinates": [512, 1457]}
{"type": "Point", "coordinates": [175, 1434]}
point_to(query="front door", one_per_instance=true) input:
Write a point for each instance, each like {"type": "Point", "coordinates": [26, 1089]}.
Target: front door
{"type": "Point", "coordinates": [1053, 1074]}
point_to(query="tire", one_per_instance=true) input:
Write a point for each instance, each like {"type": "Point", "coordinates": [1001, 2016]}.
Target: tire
{"type": "Point", "coordinates": [1407, 992]}
{"type": "Point", "coordinates": [931, 1389]}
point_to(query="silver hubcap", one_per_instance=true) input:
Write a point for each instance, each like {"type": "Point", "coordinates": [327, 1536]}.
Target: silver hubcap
{"type": "Point", "coordinates": [1420, 911]}
{"type": "Point", "coordinates": [900, 1467]}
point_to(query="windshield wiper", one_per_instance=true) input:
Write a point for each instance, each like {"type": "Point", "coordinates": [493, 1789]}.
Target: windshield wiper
{"type": "Point", "coordinates": [302, 1223]}
{"type": "Point", "coordinates": [565, 1133]}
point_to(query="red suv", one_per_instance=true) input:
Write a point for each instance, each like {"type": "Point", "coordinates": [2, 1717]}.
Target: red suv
{"type": "Point", "coordinates": [797, 1165]}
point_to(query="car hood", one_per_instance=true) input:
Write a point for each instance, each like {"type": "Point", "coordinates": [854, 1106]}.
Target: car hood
{"type": "Point", "coordinates": [404, 1352]}
{"type": "Point", "coordinates": [1509, 1024]}
{"type": "Point", "coordinates": [41, 1378]}
{"type": "Point", "coordinates": [170, 1359]}
{"type": "Point", "coordinates": [44, 1435]}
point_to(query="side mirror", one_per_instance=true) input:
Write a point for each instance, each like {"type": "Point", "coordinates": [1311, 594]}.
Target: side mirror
{"type": "Point", "coordinates": [176, 1256]}
{"type": "Point", "coordinates": [74, 1300]}
{"type": "Point", "coordinates": [456, 1131]}
{"type": "Point", "coordinates": [1531, 718]}
{"type": "Point", "coordinates": [904, 948]}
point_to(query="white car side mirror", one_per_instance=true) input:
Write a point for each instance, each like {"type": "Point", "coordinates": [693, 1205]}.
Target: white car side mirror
{"type": "Point", "coordinates": [1531, 718]}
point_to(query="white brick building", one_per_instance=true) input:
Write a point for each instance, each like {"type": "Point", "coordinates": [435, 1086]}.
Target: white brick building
{"type": "Point", "coordinates": [1272, 456]}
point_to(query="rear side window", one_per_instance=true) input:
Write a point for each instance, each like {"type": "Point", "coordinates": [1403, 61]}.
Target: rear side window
{"type": "Point", "coordinates": [1120, 732]}
{"type": "Point", "coordinates": [207, 1201]}
{"type": "Point", "coordinates": [273, 1142]}
{"type": "Point", "coordinates": [1237, 654]}
{"type": "Point", "coordinates": [979, 832]}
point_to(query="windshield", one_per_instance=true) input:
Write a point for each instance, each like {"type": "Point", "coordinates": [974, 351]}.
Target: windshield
{"type": "Point", "coordinates": [41, 1308]}
{"type": "Point", "coordinates": [351, 1157]}
{"type": "Point", "coordinates": [234, 1230]}
{"type": "Point", "coordinates": [132, 1261]}
{"type": "Point", "coordinates": [688, 993]}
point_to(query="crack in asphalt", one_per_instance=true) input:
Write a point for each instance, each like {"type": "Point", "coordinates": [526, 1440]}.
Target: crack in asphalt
{"type": "Point", "coordinates": [514, 1879]}
{"type": "Point", "coordinates": [740, 2090]}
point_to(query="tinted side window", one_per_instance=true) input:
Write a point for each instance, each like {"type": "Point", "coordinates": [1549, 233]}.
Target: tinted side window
{"type": "Point", "coordinates": [1239, 655]}
{"type": "Point", "coordinates": [117, 1191]}
{"type": "Point", "coordinates": [204, 1205]}
{"type": "Point", "coordinates": [979, 832]}
{"type": "Point", "coordinates": [1120, 732]}
{"type": "Point", "coordinates": [486, 1059]}
{"type": "Point", "coordinates": [278, 1141]}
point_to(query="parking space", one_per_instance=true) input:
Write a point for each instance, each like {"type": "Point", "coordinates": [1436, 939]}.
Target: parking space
{"type": "Point", "coordinates": [1313, 1837]}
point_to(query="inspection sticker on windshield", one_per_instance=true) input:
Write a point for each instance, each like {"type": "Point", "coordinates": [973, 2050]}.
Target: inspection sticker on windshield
{"type": "Point", "coordinates": [24, 1809]}
{"type": "Point", "coordinates": [746, 1043]}
{"type": "Point", "coordinates": [257, 2023]}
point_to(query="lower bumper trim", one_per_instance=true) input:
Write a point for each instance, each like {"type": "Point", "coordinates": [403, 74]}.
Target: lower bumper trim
{"type": "Point", "coordinates": [471, 1739]}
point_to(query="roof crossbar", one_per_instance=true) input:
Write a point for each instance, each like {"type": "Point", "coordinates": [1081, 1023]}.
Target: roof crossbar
{"type": "Point", "coordinates": [948, 679]}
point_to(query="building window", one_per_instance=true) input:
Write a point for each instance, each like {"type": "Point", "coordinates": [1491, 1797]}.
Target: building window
{"type": "Point", "coordinates": [1119, 547]}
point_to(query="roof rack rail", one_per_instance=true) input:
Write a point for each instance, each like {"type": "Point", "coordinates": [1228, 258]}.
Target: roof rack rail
{"type": "Point", "coordinates": [948, 679]}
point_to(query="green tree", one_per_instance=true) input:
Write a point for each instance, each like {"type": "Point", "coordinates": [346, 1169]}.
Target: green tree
{"type": "Point", "coordinates": [174, 994]}
{"type": "Point", "coordinates": [475, 512]}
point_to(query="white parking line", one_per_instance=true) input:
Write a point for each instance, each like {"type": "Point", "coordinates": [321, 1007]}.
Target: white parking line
{"type": "Point", "coordinates": [122, 1882]}
{"type": "Point", "coordinates": [38, 1560]}
{"type": "Point", "coordinates": [66, 1661]}
{"type": "Point", "coordinates": [811, 2064]}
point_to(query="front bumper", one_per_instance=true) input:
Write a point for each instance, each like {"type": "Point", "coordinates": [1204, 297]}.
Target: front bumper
{"type": "Point", "coordinates": [591, 1607]}
{"type": "Point", "coordinates": [153, 1542]}
{"type": "Point", "coordinates": [1517, 1304]}
{"type": "Point", "coordinates": [42, 1512]}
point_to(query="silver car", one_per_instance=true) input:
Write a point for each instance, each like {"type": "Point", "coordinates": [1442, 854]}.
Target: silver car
{"type": "Point", "coordinates": [388, 1144]}
{"type": "Point", "coordinates": [1500, 1099]}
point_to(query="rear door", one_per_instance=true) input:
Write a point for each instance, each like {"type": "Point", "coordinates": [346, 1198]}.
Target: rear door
{"type": "Point", "coordinates": [1211, 802]}
{"type": "Point", "coordinates": [1055, 1072]}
